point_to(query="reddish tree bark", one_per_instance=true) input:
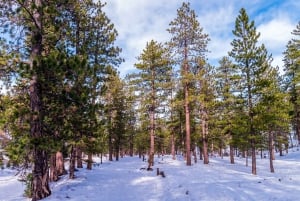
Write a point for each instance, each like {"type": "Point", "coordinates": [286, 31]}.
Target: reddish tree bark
{"type": "Point", "coordinates": [60, 166]}
{"type": "Point", "coordinates": [79, 157]}
{"type": "Point", "coordinates": [53, 169]}
{"type": "Point", "coordinates": [204, 136]}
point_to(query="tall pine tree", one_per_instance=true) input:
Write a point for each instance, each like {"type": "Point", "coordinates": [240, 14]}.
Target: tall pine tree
{"type": "Point", "coordinates": [252, 61]}
{"type": "Point", "coordinates": [292, 77]}
{"type": "Point", "coordinates": [152, 83]}
{"type": "Point", "coordinates": [188, 42]}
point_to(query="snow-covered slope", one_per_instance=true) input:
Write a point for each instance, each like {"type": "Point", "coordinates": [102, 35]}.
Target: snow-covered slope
{"type": "Point", "coordinates": [218, 181]}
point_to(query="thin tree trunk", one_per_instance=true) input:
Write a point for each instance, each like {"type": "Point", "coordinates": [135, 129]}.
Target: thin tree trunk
{"type": "Point", "coordinates": [173, 146]}
{"type": "Point", "coordinates": [201, 152]}
{"type": "Point", "coordinates": [231, 153]}
{"type": "Point", "coordinates": [253, 150]}
{"type": "Point", "coordinates": [187, 128]}
{"type": "Point", "coordinates": [152, 115]}
{"type": "Point", "coordinates": [131, 145]}
{"type": "Point", "coordinates": [152, 133]}
{"type": "Point", "coordinates": [79, 157]}
{"type": "Point", "coordinates": [187, 108]}
{"type": "Point", "coordinates": [271, 150]}
{"type": "Point", "coordinates": [72, 162]}
{"type": "Point", "coordinates": [110, 148]}
{"type": "Point", "coordinates": [195, 155]}
{"type": "Point", "coordinates": [117, 150]}
{"type": "Point", "coordinates": [204, 136]}
{"type": "Point", "coordinates": [89, 161]}
{"type": "Point", "coordinates": [280, 150]}
{"type": "Point", "coordinates": [221, 152]}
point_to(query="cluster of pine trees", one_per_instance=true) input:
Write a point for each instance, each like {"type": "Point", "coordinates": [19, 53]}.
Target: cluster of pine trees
{"type": "Point", "coordinates": [65, 96]}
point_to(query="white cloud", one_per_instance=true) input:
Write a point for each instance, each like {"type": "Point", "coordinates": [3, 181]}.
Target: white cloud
{"type": "Point", "coordinates": [277, 61]}
{"type": "Point", "coordinates": [139, 21]}
{"type": "Point", "coordinates": [276, 33]}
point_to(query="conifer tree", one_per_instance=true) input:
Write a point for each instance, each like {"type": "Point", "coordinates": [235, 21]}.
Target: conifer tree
{"type": "Point", "coordinates": [227, 81]}
{"type": "Point", "coordinates": [273, 113]}
{"type": "Point", "coordinates": [187, 43]}
{"type": "Point", "coordinates": [152, 83]}
{"type": "Point", "coordinates": [252, 61]}
{"type": "Point", "coordinates": [292, 77]}
{"type": "Point", "coordinates": [61, 85]}
{"type": "Point", "coordinates": [204, 93]}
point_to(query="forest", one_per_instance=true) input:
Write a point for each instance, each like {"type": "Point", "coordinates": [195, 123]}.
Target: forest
{"type": "Point", "coordinates": [63, 98]}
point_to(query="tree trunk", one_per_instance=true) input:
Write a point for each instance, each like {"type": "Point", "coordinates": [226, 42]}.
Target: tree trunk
{"type": "Point", "coordinates": [40, 181]}
{"type": "Point", "coordinates": [187, 127]}
{"type": "Point", "coordinates": [89, 161]}
{"type": "Point", "coordinates": [117, 150]}
{"type": "Point", "coordinates": [131, 145]}
{"type": "Point", "coordinates": [152, 134]}
{"type": "Point", "coordinates": [205, 152]}
{"type": "Point", "coordinates": [72, 162]}
{"type": "Point", "coordinates": [53, 169]}
{"type": "Point", "coordinates": [187, 108]}
{"type": "Point", "coordinates": [204, 136]}
{"type": "Point", "coordinates": [280, 150]}
{"type": "Point", "coordinates": [231, 154]}
{"type": "Point", "coordinates": [221, 152]}
{"type": "Point", "coordinates": [60, 166]}
{"type": "Point", "coordinates": [110, 148]}
{"type": "Point", "coordinates": [152, 115]}
{"type": "Point", "coordinates": [173, 146]}
{"type": "Point", "coordinates": [79, 157]}
{"type": "Point", "coordinates": [201, 152]}
{"type": "Point", "coordinates": [271, 150]}
{"type": "Point", "coordinates": [253, 150]}
{"type": "Point", "coordinates": [40, 187]}
{"type": "Point", "coordinates": [195, 155]}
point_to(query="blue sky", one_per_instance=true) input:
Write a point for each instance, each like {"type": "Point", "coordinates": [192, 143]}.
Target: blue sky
{"type": "Point", "coordinates": [139, 21]}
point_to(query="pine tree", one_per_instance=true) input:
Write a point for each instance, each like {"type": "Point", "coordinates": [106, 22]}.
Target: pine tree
{"type": "Point", "coordinates": [152, 83]}
{"type": "Point", "coordinates": [204, 95]}
{"type": "Point", "coordinates": [188, 42]}
{"type": "Point", "coordinates": [272, 113]}
{"type": "Point", "coordinates": [62, 83]}
{"type": "Point", "coordinates": [292, 77]}
{"type": "Point", "coordinates": [252, 61]}
{"type": "Point", "coordinates": [227, 81]}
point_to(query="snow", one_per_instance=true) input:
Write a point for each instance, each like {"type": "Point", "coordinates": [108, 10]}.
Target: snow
{"type": "Point", "coordinates": [126, 180]}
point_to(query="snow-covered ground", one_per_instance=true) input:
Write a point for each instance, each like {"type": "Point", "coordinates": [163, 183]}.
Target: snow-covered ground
{"type": "Point", "coordinates": [218, 181]}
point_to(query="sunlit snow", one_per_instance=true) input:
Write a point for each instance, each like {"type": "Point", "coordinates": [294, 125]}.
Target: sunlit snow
{"type": "Point", "coordinates": [127, 180]}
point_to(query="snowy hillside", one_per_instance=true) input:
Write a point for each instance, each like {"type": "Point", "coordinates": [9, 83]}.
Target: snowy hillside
{"type": "Point", "coordinates": [218, 181]}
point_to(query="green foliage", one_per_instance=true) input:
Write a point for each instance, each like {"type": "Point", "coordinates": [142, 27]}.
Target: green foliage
{"type": "Point", "coordinates": [152, 84]}
{"type": "Point", "coordinates": [292, 77]}
{"type": "Point", "coordinates": [28, 185]}
{"type": "Point", "coordinates": [252, 62]}
{"type": "Point", "coordinates": [227, 102]}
